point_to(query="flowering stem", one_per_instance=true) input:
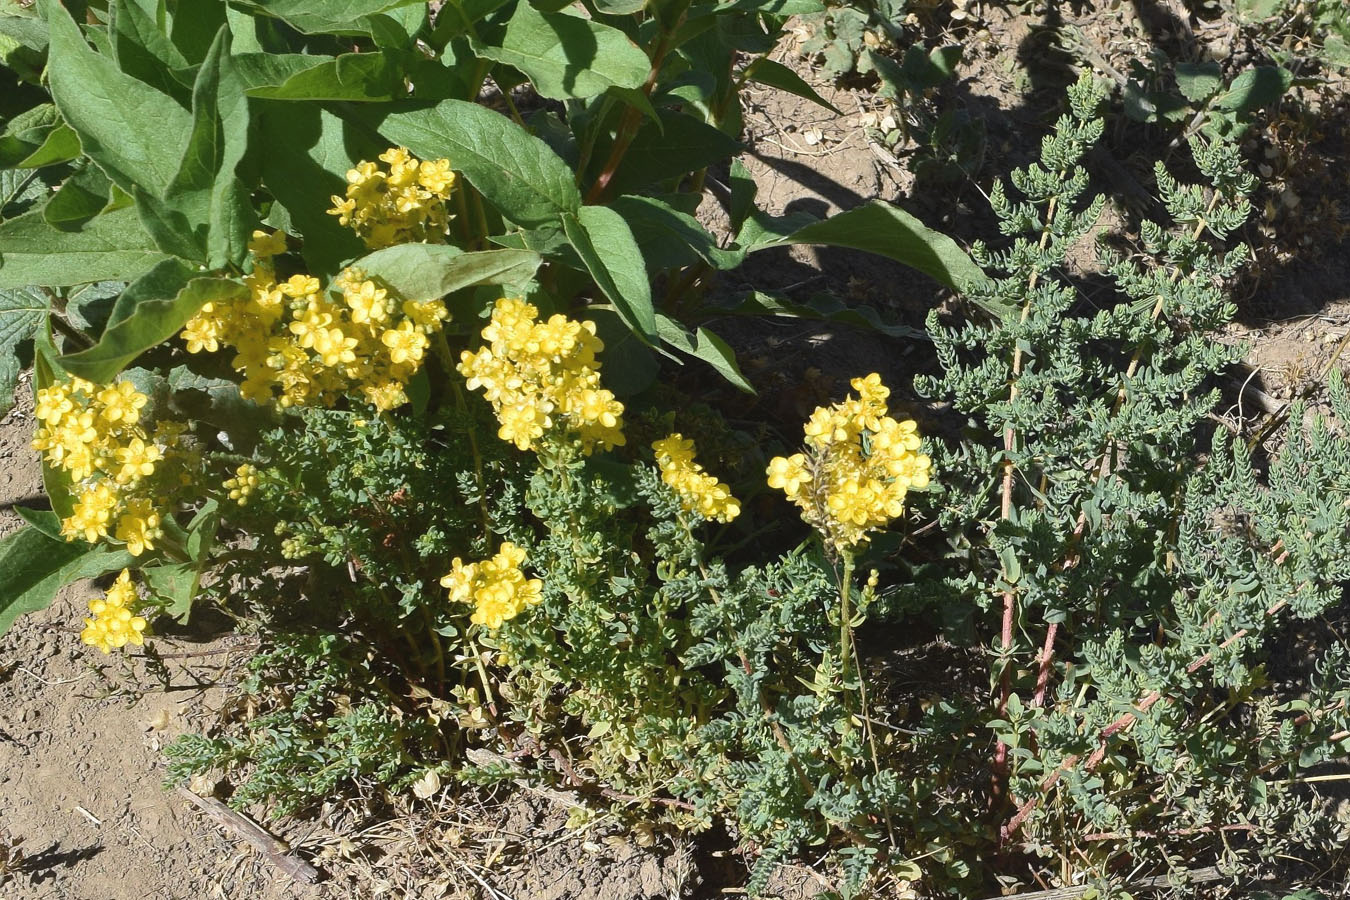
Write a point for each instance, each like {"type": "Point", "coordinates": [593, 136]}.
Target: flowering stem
{"type": "Point", "coordinates": [447, 359]}
{"type": "Point", "coordinates": [845, 614]}
{"type": "Point", "coordinates": [483, 676]}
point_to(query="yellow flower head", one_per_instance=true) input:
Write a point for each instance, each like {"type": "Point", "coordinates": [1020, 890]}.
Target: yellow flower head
{"type": "Point", "coordinates": [399, 204]}
{"type": "Point", "coordinates": [858, 466]}
{"type": "Point", "coordinates": [699, 492]}
{"type": "Point", "coordinates": [496, 587]}
{"type": "Point", "coordinates": [542, 377]}
{"type": "Point", "coordinates": [243, 484]}
{"type": "Point", "coordinates": [114, 622]}
{"type": "Point", "coordinates": [296, 345]}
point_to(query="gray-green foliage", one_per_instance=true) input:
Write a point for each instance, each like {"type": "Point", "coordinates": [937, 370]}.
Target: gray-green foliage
{"type": "Point", "coordinates": [1170, 565]}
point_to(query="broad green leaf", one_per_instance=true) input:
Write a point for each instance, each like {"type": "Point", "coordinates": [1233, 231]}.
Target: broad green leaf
{"type": "Point", "coordinates": [631, 366]}
{"type": "Point", "coordinates": [26, 30]}
{"type": "Point", "coordinates": [33, 568]}
{"type": "Point", "coordinates": [44, 520]}
{"type": "Point", "coordinates": [131, 130]}
{"type": "Point", "coordinates": [150, 321]}
{"type": "Point", "coordinates": [175, 584]}
{"type": "Point", "coordinates": [606, 245]}
{"type": "Point", "coordinates": [110, 247]}
{"type": "Point", "coordinates": [518, 173]}
{"type": "Point", "coordinates": [885, 230]}
{"type": "Point", "coordinates": [620, 7]}
{"type": "Point", "coordinates": [60, 145]}
{"type": "Point", "coordinates": [19, 190]}
{"type": "Point", "coordinates": [682, 145]}
{"type": "Point", "coordinates": [206, 196]}
{"type": "Point", "coordinates": [82, 196]}
{"type": "Point", "coordinates": [299, 76]}
{"type": "Point", "coordinates": [1255, 89]}
{"type": "Point", "coordinates": [22, 312]}
{"type": "Point", "coordinates": [26, 132]}
{"type": "Point", "coordinates": [431, 271]}
{"type": "Point", "coordinates": [195, 25]}
{"type": "Point", "coordinates": [566, 56]}
{"type": "Point", "coordinates": [326, 16]}
{"type": "Point", "coordinates": [776, 75]}
{"type": "Point", "coordinates": [142, 50]}
{"type": "Point", "coordinates": [670, 238]}
{"type": "Point", "coordinates": [706, 346]}
{"type": "Point", "coordinates": [1199, 81]}
{"type": "Point", "coordinates": [458, 17]}
{"type": "Point", "coordinates": [320, 148]}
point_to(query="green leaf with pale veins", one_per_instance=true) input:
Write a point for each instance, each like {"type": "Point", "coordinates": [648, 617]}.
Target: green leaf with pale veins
{"type": "Point", "coordinates": [109, 247]}
{"type": "Point", "coordinates": [22, 311]}
{"type": "Point", "coordinates": [34, 567]}
{"type": "Point", "coordinates": [515, 171]}
{"type": "Point", "coordinates": [131, 130]}
{"type": "Point", "coordinates": [610, 253]}
{"type": "Point", "coordinates": [431, 271]}
{"type": "Point", "coordinates": [326, 16]}
{"type": "Point", "coordinates": [879, 228]}
{"type": "Point", "coordinates": [568, 57]}
{"type": "Point", "coordinates": [157, 314]}
{"type": "Point", "coordinates": [777, 75]}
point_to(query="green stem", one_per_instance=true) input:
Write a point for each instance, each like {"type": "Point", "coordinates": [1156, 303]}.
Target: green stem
{"type": "Point", "coordinates": [462, 404]}
{"type": "Point", "coordinates": [846, 615]}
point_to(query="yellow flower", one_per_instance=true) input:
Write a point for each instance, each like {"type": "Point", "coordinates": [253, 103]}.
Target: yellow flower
{"type": "Point", "coordinates": [543, 377]}
{"type": "Point", "coordinates": [89, 519]}
{"type": "Point", "coordinates": [138, 527]}
{"type": "Point", "coordinates": [403, 203]}
{"type": "Point", "coordinates": [405, 343]}
{"type": "Point", "coordinates": [860, 464]}
{"type": "Point", "coordinates": [496, 587]}
{"type": "Point", "coordinates": [263, 244]}
{"type": "Point", "coordinates": [114, 622]}
{"type": "Point", "coordinates": [699, 492]}
{"type": "Point", "coordinates": [137, 460]}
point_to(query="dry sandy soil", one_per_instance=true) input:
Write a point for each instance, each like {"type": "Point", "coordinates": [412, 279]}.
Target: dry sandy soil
{"type": "Point", "coordinates": [80, 774]}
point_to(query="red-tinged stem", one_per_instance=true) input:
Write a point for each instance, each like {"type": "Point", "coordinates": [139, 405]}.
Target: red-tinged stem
{"type": "Point", "coordinates": [630, 120]}
{"type": "Point", "coordinates": [1121, 724]}
{"type": "Point", "coordinates": [1047, 655]}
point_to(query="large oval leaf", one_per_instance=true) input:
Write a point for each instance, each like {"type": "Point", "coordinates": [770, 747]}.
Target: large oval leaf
{"type": "Point", "coordinates": [110, 247]}
{"type": "Point", "coordinates": [430, 271]}
{"type": "Point", "coordinates": [160, 303]}
{"type": "Point", "coordinates": [134, 132]}
{"type": "Point", "coordinates": [568, 57]}
{"type": "Point", "coordinates": [517, 172]}
{"type": "Point", "coordinates": [33, 567]}
{"type": "Point", "coordinates": [618, 268]}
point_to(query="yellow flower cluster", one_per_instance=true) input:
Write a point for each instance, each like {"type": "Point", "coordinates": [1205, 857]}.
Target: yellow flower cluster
{"type": "Point", "coordinates": [858, 467]}
{"type": "Point", "coordinates": [244, 482]}
{"type": "Point", "coordinates": [297, 346]}
{"type": "Point", "coordinates": [114, 622]}
{"type": "Point", "coordinates": [94, 434]}
{"type": "Point", "coordinates": [700, 493]}
{"type": "Point", "coordinates": [496, 587]}
{"type": "Point", "coordinates": [543, 375]}
{"type": "Point", "coordinates": [399, 204]}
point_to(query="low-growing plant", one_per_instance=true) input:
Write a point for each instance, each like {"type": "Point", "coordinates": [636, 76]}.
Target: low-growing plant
{"type": "Point", "coordinates": [369, 377]}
